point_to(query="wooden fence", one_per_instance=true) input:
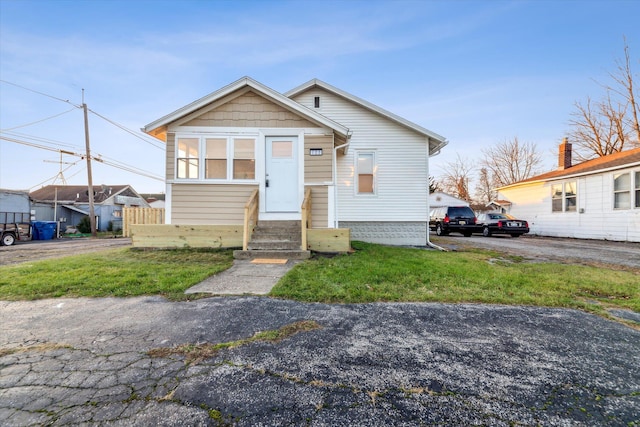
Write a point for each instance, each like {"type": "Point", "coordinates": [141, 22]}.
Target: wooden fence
{"type": "Point", "coordinates": [133, 216]}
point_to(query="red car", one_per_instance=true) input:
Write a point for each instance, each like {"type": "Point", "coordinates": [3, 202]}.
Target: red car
{"type": "Point", "coordinates": [500, 223]}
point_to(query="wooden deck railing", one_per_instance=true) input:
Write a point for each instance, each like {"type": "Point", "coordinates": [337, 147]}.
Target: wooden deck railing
{"type": "Point", "coordinates": [306, 217]}
{"type": "Point", "coordinates": [250, 218]}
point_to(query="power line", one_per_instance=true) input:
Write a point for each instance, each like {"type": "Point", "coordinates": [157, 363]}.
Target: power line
{"type": "Point", "coordinates": [41, 93]}
{"type": "Point", "coordinates": [38, 121]}
{"type": "Point", "coordinates": [127, 130]}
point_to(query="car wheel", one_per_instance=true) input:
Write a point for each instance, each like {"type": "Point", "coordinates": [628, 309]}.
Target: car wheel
{"type": "Point", "coordinates": [440, 231]}
{"type": "Point", "coordinates": [515, 235]}
{"type": "Point", "coordinates": [8, 239]}
{"type": "Point", "coordinates": [486, 232]}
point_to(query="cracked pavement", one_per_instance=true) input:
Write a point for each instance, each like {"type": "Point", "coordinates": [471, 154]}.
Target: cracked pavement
{"type": "Point", "coordinates": [85, 361]}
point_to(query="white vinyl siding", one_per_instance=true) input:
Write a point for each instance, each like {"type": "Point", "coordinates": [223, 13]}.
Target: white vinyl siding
{"type": "Point", "coordinates": [401, 163]}
{"type": "Point", "coordinates": [595, 217]}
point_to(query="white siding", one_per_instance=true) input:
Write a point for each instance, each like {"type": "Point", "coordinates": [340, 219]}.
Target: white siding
{"type": "Point", "coordinates": [597, 220]}
{"type": "Point", "coordinates": [401, 160]}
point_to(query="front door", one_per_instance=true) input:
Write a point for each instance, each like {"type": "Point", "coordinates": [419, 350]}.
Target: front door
{"type": "Point", "coordinates": [281, 180]}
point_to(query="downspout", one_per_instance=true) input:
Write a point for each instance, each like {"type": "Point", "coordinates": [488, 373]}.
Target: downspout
{"type": "Point", "coordinates": [335, 180]}
{"type": "Point", "coordinates": [429, 243]}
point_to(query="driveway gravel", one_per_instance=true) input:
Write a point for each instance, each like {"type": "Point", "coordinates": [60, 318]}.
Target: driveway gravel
{"type": "Point", "coordinates": [85, 361]}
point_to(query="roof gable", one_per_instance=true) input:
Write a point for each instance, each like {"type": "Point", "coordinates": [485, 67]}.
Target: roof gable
{"type": "Point", "coordinates": [436, 142]}
{"type": "Point", "coordinates": [622, 159]}
{"type": "Point", "coordinates": [158, 128]}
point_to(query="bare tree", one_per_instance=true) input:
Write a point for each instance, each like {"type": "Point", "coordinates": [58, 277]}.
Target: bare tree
{"type": "Point", "coordinates": [511, 161]}
{"type": "Point", "coordinates": [455, 180]}
{"type": "Point", "coordinates": [433, 185]}
{"type": "Point", "coordinates": [485, 187]}
{"type": "Point", "coordinates": [612, 124]}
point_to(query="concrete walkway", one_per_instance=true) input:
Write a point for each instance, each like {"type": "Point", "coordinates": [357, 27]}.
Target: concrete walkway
{"type": "Point", "coordinates": [245, 277]}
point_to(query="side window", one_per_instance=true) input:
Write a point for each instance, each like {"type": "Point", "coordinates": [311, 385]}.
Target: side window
{"type": "Point", "coordinates": [622, 191]}
{"type": "Point", "coordinates": [365, 172]}
{"type": "Point", "coordinates": [188, 158]}
{"type": "Point", "coordinates": [570, 196]}
{"type": "Point", "coordinates": [556, 198]}
{"type": "Point", "coordinates": [637, 189]}
{"type": "Point", "coordinates": [564, 197]}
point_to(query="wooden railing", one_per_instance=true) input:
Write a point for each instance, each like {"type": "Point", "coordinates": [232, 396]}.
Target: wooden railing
{"type": "Point", "coordinates": [250, 218]}
{"type": "Point", "coordinates": [306, 217]}
{"type": "Point", "coordinates": [131, 216]}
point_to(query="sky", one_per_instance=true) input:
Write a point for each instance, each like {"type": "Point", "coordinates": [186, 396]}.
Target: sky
{"type": "Point", "coordinates": [477, 72]}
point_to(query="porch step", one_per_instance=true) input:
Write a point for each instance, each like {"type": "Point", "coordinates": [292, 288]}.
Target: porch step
{"type": "Point", "coordinates": [272, 254]}
{"type": "Point", "coordinates": [275, 240]}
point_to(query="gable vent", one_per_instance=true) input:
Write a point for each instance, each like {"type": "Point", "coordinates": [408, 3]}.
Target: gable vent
{"type": "Point", "coordinates": [316, 102]}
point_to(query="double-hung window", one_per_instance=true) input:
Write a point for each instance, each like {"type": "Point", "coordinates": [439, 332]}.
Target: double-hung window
{"type": "Point", "coordinates": [215, 158]}
{"type": "Point", "coordinates": [188, 158]}
{"type": "Point", "coordinates": [637, 174]}
{"type": "Point", "coordinates": [564, 197]}
{"type": "Point", "coordinates": [366, 172]}
{"type": "Point", "coordinates": [622, 191]}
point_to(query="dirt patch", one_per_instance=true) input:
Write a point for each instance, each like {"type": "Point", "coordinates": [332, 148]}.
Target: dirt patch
{"type": "Point", "coordinates": [44, 249]}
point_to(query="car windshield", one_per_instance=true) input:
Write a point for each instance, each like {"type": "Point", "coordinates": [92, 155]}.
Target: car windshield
{"type": "Point", "coordinates": [498, 216]}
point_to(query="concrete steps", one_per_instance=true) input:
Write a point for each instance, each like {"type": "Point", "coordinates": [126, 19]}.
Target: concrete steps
{"type": "Point", "coordinates": [275, 240]}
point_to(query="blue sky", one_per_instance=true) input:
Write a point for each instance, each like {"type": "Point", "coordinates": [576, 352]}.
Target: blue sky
{"type": "Point", "coordinates": [476, 72]}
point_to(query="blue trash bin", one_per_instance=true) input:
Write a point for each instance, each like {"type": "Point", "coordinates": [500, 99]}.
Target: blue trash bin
{"type": "Point", "coordinates": [44, 230]}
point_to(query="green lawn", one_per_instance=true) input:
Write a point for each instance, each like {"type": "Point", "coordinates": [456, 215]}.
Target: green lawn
{"type": "Point", "coordinates": [114, 273]}
{"type": "Point", "coordinates": [371, 273]}
{"type": "Point", "coordinates": [382, 273]}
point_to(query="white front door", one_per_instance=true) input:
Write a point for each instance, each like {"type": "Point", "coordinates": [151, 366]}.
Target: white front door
{"type": "Point", "coordinates": [281, 180]}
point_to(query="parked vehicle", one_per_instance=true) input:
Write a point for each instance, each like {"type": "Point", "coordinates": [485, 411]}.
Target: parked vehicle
{"type": "Point", "coordinates": [500, 223]}
{"type": "Point", "coordinates": [447, 219]}
{"type": "Point", "coordinates": [14, 226]}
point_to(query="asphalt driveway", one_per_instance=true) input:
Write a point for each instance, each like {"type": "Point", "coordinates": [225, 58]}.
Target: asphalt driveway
{"type": "Point", "coordinates": [85, 361]}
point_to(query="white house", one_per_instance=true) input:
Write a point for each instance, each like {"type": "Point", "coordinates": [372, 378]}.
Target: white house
{"type": "Point", "coordinates": [596, 199]}
{"type": "Point", "coordinates": [438, 199]}
{"type": "Point", "coordinates": [366, 169]}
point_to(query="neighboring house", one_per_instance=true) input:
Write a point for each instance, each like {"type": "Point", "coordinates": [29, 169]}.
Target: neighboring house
{"type": "Point", "coordinates": [596, 199]}
{"type": "Point", "coordinates": [367, 169]}
{"type": "Point", "coordinates": [439, 199]}
{"type": "Point", "coordinates": [15, 206]}
{"type": "Point", "coordinates": [155, 200]}
{"type": "Point", "coordinates": [501, 206]}
{"type": "Point", "coordinates": [68, 204]}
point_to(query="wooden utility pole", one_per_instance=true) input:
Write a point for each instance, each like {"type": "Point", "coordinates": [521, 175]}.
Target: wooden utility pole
{"type": "Point", "coordinates": [92, 215]}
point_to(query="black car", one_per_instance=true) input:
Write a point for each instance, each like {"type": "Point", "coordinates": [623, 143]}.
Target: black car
{"type": "Point", "coordinates": [500, 223]}
{"type": "Point", "coordinates": [447, 219]}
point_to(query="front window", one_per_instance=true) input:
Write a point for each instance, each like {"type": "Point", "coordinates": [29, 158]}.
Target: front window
{"type": "Point", "coordinates": [188, 157]}
{"type": "Point", "coordinates": [622, 191]}
{"type": "Point", "coordinates": [366, 172]}
{"type": "Point", "coordinates": [216, 158]}
{"type": "Point", "coordinates": [564, 197]}
{"type": "Point", "coordinates": [244, 159]}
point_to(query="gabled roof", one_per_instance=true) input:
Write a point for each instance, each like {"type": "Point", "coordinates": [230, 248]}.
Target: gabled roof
{"type": "Point", "coordinates": [620, 160]}
{"type": "Point", "coordinates": [437, 142]}
{"type": "Point", "coordinates": [156, 127]}
{"type": "Point", "coordinates": [77, 193]}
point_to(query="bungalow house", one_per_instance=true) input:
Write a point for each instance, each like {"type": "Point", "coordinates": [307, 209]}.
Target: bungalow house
{"type": "Point", "coordinates": [438, 199]}
{"type": "Point", "coordinates": [68, 204]}
{"type": "Point", "coordinates": [352, 163]}
{"type": "Point", "coordinates": [596, 199]}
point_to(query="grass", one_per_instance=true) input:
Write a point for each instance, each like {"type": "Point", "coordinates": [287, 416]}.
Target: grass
{"type": "Point", "coordinates": [382, 273]}
{"type": "Point", "coordinates": [113, 273]}
{"type": "Point", "coordinates": [372, 273]}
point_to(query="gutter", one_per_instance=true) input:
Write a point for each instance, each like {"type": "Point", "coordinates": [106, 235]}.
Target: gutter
{"type": "Point", "coordinates": [335, 179]}
{"type": "Point", "coordinates": [429, 243]}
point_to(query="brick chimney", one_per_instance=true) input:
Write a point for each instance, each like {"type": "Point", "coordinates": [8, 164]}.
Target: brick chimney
{"type": "Point", "coordinates": [564, 155]}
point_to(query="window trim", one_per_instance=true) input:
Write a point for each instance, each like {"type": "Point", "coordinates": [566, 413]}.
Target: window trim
{"type": "Point", "coordinates": [636, 175]}
{"type": "Point", "coordinates": [624, 191]}
{"type": "Point", "coordinates": [563, 197]}
{"type": "Point", "coordinates": [356, 177]}
{"type": "Point", "coordinates": [202, 158]}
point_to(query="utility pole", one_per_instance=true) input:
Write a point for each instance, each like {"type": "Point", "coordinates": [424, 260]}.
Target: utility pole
{"type": "Point", "coordinates": [92, 215]}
